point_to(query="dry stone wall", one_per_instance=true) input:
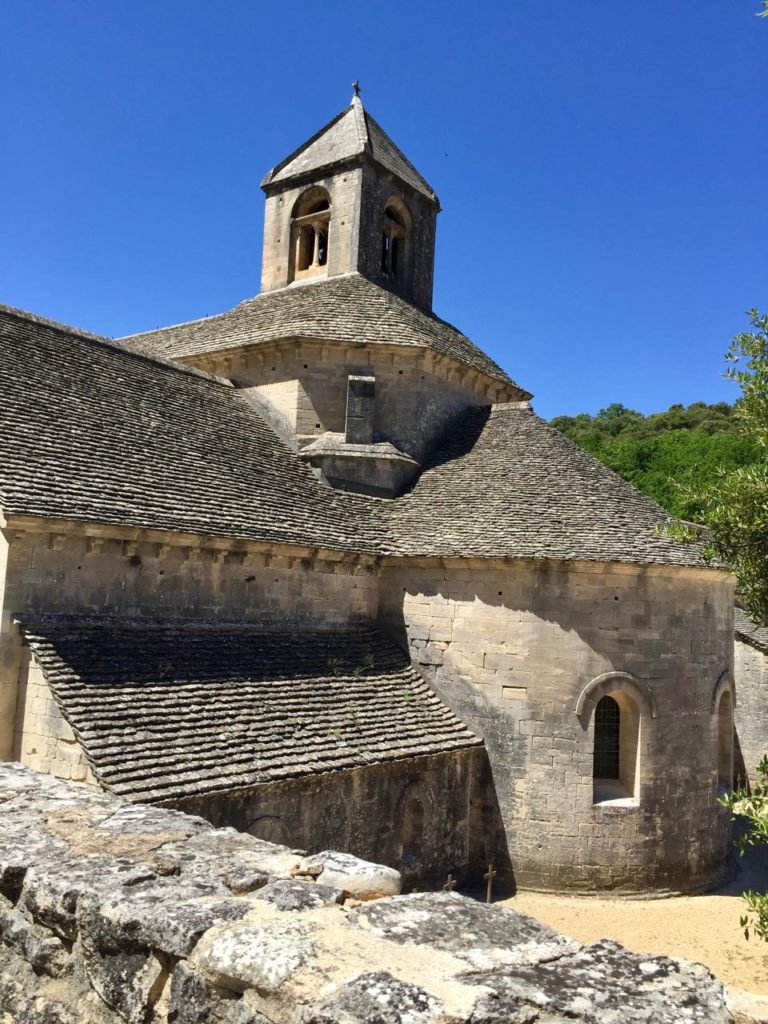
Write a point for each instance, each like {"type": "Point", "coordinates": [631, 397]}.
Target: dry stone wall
{"type": "Point", "coordinates": [114, 913]}
{"type": "Point", "coordinates": [510, 647]}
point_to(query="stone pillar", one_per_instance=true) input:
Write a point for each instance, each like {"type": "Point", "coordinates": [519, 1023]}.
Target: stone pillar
{"type": "Point", "coordinates": [360, 402]}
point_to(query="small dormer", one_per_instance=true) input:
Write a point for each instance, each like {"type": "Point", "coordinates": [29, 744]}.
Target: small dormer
{"type": "Point", "coordinates": [357, 460]}
{"type": "Point", "coordinates": [349, 201]}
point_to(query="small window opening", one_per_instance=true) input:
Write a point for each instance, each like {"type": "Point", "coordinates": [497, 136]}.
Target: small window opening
{"type": "Point", "coordinates": [311, 222]}
{"type": "Point", "coordinates": [725, 742]}
{"type": "Point", "coordinates": [393, 242]}
{"type": "Point", "coordinates": [616, 748]}
{"type": "Point", "coordinates": [607, 728]}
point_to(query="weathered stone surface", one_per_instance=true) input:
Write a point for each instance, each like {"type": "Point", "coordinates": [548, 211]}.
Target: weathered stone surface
{"type": "Point", "coordinates": [605, 984]}
{"type": "Point", "coordinates": [747, 1008]}
{"type": "Point", "coordinates": [167, 914]}
{"type": "Point", "coordinates": [292, 894]}
{"type": "Point", "coordinates": [128, 982]}
{"type": "Point", "coordinates": [43, 951]}
{"type": "Point", "coordinates": [378, 998]}
{"type": "Point", "coordinates": [240, 861]}
{"type": "Point", "coordinates": [358, 878]}
{"type": "Point", "coordinates": [190, 1002]}
{"type": "Point", "coordinates": [249, 955]}
{"type": "Point", "coordinates": [21, 848]}
{"type": "Point", "coordinates": [51, 891]}
{"type": "Point", "coordinates": [106, 940]}
{"type": "Point", "coordinates": [486, 937]}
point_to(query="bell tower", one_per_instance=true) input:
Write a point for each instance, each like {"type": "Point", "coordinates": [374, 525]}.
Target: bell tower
{"type": "Point", "coordinates": [349, 201]}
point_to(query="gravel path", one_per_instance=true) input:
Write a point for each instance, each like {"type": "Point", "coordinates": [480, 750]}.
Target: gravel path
{"type": "Point", "coordinates": [702, 928]}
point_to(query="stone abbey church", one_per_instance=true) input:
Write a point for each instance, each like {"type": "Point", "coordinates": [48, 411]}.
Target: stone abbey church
{"type": "Point", "coordinates": [314, 568]}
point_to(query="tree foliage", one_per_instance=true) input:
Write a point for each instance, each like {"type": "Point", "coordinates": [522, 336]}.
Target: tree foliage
{"type": "Point", "coordinates": [707, 464]}
{"type": "Point", "coordinates": [668, 455]}
{"type": "Point", "coordinates": [752, 806]}
{"type": "Point", "coordinates": [734, 505]}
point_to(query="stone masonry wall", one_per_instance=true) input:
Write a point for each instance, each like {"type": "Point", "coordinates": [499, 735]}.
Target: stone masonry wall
{"type": "Point", "coordinates": [751, 710]}
{"type": "Point", "coordinates": [511, 646]}
{"type": "Point", "coordinates": [417, 815]}
{"type": "Point", "coordinates": [344, 190]}
{"type": "Point", "coordinates": [416, 278]}
{"type": "Point", "coordinates": [44, 739]}
{"type": "Point", "coordinates": [58, 567]}
{"type": "Point", "coordinates": [302, 389]}
{"type": "Point", "coordinates": [114, 913]}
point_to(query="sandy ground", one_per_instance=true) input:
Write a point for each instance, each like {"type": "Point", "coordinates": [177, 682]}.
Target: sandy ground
{"type": "Point", "coordinates": [703, 928]}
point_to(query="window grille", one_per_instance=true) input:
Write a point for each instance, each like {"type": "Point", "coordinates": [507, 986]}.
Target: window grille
{"type": "Point", "coordinates": [607, 732]}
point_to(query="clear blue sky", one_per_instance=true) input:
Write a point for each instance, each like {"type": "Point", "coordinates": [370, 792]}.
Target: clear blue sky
{"type": "Point", "coordinates": [602, 167]}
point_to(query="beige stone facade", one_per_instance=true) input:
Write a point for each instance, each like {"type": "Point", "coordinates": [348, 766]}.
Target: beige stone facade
{"type": "Point", "coordinates": [302, 388]}
{"type": "Point", "coordinates": [44, 739]}
{"type": "Point", "coordinates": [515, 648]}
{"type": "Point", "coordinates": [196, 610]}
{"type": "Point", "coordinates": [68, 568]}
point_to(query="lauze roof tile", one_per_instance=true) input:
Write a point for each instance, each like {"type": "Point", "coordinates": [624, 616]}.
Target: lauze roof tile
{"type": "Point", "coordinates": [178, 710]}
{"type": "Point", "coordinates": [347, 309]}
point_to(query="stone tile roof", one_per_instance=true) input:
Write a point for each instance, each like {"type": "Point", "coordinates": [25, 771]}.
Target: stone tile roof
{"type": "Point", "coordinates": [748, 630]}
{"type": "Point", "coordinates": [506, 484]}
{"type": "Point", "coordinates": [348, 309]}
{"type": "Point", "coordinates": [350, 135]}
{"type": "Point", "coordinates": [170, 711]}
{"type": "Point", "coordinates": [93, 432]}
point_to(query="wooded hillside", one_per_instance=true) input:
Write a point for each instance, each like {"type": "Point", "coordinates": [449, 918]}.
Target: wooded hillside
{"type": "Point", "coordinates": [666, 449]}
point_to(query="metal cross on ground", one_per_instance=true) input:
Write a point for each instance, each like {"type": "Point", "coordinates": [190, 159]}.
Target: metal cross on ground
{"type": "Point", "coordinates": [489, 876]}
{"type": "Point", "coordinates": [450, 884]}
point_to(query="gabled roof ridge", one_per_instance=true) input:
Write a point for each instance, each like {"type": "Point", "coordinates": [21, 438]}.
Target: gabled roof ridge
{"type": "Point", "coordinates": [116, 346]}
{"type": "Point", "coordinates": [270, 175]}
{"type": "Point", "coordinates": [409, 164]}
{"type": "Point", "coordinates": [184, 323]}
{"type": "Point", "coordinates": [359, 114]}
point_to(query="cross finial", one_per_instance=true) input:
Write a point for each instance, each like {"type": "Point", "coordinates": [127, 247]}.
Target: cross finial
{"type": "Point", "coordinates": [356, 87]}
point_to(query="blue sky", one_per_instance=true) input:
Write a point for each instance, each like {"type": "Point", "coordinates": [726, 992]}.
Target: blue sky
{"type": "Point", "coordinates": [601, 166]}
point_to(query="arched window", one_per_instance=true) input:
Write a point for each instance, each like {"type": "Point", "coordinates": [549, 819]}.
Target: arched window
{"type": "Point", "coordinates": [616, 748]}
{"type": "Point", "coordinates": [607, 735]}
{"type": "Point", "coordinates": [725, 742]}
{"type": "Point", "coordinates": [394, 240]}
{"type": "Point", "coordinates": [310, 228]}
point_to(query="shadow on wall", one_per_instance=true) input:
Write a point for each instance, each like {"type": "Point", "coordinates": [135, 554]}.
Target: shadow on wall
{"type": "Point", "coordinates": [510, 648]}
{"type": "Point", "coordinates": [425, 816]}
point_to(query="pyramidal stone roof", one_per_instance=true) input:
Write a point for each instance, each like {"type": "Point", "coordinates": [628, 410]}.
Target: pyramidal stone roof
{"type": "Point", "coordinates": [349, 309]}
{"type": "Point", "coordinates": [217, 708]}
{"type": "Point", "coordinates": [351, 135]}
{"type": "Point", "coordinates": [504, 484]}
{"type": "Point", "coordinates": [94, 432]}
